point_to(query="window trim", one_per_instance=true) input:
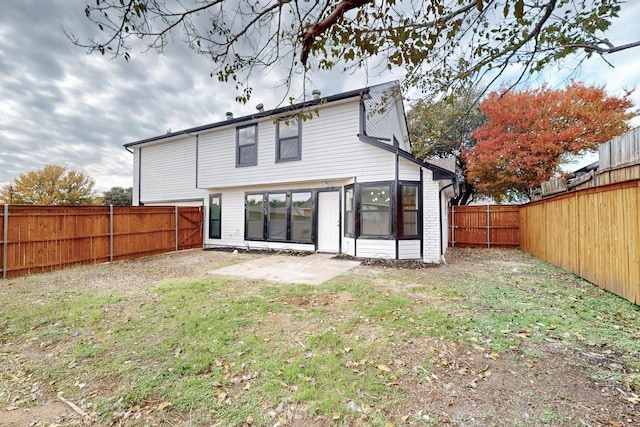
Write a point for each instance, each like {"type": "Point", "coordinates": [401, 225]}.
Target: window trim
{"type": "Point", "coordinates": [246, 218]}
{"type": "Point", "coordinates": [401, 210]}
{"type": "Point", "coordinates": [287, 213]}
{"type": "Point", "coordinates": [279, 141]}
{"type": "Point", "coordinates": [289, 204]}
{"type": "Point", "coordinates": [350, 215]}
{"type": "Point", "coordinates": [392, 210]}
{"type": "Point", "coordinates": [291, 220]}
{"type": "Point", "coordinates": [255, 145]}
{"type": "Point", "coordinates": [211, 197]}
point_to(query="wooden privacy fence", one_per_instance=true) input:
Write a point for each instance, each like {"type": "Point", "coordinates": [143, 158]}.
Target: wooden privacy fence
{"type": "Point", "coordinates": [44, 238]}
{"type": "Point", "coordinates": [490, 226]}
{"type": "Point", "coordinates": [594, 233]}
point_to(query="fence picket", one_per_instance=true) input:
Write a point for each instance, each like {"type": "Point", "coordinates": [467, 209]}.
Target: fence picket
{"type": "Point", "coordinates": [44, 238]}
{"type": "Point", "coordinates": [484, 226]}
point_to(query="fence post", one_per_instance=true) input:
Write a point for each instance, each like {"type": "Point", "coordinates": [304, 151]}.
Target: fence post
{"type": "Point", "coordinates": [5, 241]}
{"type": "Point", "coordinates": [176, 214]}
{"type": "Point", "coordinates": [111, 233]}
{"type": "Point", "coordinates": [488, 226]}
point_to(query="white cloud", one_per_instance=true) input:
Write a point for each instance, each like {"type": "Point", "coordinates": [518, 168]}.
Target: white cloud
{"type": "Point", "coordinates": [59, 105]}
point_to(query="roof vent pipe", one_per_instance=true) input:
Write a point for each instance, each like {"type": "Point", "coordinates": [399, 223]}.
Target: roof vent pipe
{"type": "Point", "coordinates": [229, 115]}
{"type": "Point", "coordinates": [260, 107]}
{"type": "Point", "coordinates": [316, 94]}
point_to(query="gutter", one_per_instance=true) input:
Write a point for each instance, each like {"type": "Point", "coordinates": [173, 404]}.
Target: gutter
{"type": "Point", "coordinates": [438, 172]}
{"type": "Point", "coordinates": [286, 109]}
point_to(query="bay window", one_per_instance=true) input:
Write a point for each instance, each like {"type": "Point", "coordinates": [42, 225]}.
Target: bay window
{"type": "Point", "coordinates": [408, 220]}
{"type": "Point", "coordinates": [375, 210]}
{"type": "Point", "coordinates": [349, 212]}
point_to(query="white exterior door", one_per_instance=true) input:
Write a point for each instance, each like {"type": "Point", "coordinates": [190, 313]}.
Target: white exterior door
{"type": "Point", "coordinates": [329, 221]}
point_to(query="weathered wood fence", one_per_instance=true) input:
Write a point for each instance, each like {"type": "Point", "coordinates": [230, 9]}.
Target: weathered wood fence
{"type": "Point", "coordinates": [594, 233]}
{"type": "Point", "coordinates": [44, 238]}
{"type": "Point", "coordinates": [488, 226]}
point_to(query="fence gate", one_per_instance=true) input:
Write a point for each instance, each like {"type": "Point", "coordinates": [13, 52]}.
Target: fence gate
{"type": "Point", "coordinates": [488, 226]}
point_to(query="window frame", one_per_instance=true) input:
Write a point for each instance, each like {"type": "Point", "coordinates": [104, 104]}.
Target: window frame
{"type": "Point", "coordinates": [292, 219]}
{"type": "Point", "coordinates": [271, 210]}
{"type": "Point", "coordinates": [288, 214]}
{"type": "Point", "coordinates": [391, 185]}
{"type": "Point", "coordinates": [239, 129]}
{"type": "Point", "coordinates": [350, 214]}
{"type": "Point", "coordinates": [211, 219]}
{"type": "Point", "coordinates": [246, 217]}
{"type": "Point", "coordinates": [401, 210]}
{"type": "Point", "coordinates": [279, 140]}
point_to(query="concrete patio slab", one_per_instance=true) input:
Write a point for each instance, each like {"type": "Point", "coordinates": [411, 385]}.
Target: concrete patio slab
{"type": "Point", "coordinates": [312, 269]}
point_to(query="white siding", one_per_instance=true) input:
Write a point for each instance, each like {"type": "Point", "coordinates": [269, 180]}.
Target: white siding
{"type": "Point", "coordinates": [179, 203]}
{"type": "Point", "coordinates": [232, 219]}
{"type": "Point", "coordinates": [408, 171]}
{"type": "Point", "coordinates": [348, 245]}
{"type": "Point", "coordinates": [385, 115]}
{"type": "Point", "coordinates": [168, 172]}
{"type": "Point", "coordinates": [330, 150]}
{"type": "Point", "coordinates": [279, 246]}
{"type": "Point", "coordinates": [431, 219]}
{"type": "Point", "coordinates": [409, 249]}
{"type": "Point", "coordinates": [370, 248]}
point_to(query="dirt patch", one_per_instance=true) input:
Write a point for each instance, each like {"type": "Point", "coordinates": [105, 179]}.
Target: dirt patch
{"type": "Point", "coordinates": [334, 300]}
{"type": "Point", "coordinates": [131, 276]}
{"type": "Point", "coordinates": [466, 387]}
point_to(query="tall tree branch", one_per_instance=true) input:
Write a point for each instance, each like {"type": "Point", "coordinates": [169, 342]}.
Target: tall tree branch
{"type": "Point", "coordinates": [320, 27]}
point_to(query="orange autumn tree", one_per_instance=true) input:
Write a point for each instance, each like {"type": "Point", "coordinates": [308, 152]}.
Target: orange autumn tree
{"type": "Point", "coordinates": [529, 134]}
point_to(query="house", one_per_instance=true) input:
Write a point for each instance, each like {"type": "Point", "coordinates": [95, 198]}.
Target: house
{"type": "Point", "coordinates": [331, 174]}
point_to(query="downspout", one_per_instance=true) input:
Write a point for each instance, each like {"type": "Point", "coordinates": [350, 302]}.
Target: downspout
{"type": "Point", "coordinates": [421, 211]}
{"type": "Point", "coordinates": [442, 248]}
{"type": "Point", "coordinates": [197, 157]}
{"type": "Point", "coordinates": [395, 204]}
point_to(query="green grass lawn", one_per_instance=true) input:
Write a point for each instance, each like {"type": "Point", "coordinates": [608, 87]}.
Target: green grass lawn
{"type": "Point", "coordinates": [241, 352]}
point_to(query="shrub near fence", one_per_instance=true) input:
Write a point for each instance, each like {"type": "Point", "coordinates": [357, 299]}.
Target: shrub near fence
{"type": "Point", "coordinates": [44, 238]}
{"type": "Point", "coordinates": [594, 233]}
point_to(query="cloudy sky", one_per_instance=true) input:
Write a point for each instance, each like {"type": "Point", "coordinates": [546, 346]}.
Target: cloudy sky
{"type": "Point", "coordinates": [59, 105]}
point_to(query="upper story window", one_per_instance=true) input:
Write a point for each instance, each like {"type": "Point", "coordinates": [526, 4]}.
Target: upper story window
{"type": "Point", "coordinates": [288, 140]}
{"type": "Point", "coordinates": [247, 145]}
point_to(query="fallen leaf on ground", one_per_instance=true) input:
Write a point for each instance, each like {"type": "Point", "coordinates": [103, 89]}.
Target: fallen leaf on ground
{"type": "Point", "coordinates": [163, 405]}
